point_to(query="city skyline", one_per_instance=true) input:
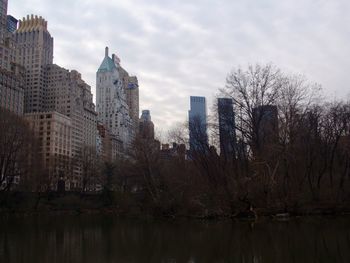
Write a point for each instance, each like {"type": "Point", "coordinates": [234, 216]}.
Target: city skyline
{"type": "Point", "coordinates": [190, 51]}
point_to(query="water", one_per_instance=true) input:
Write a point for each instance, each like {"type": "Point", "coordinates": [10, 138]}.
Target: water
{"type": "Point", "coordinates": [105, 239]}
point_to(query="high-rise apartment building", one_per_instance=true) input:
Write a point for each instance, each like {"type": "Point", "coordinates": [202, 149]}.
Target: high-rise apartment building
{"type": "Point", "coordinates": [68, 94]}
{"type": "Point", "coordinates": [12, 89]}
{"type": "Point", "coordinates": [54, 132]}
{"type": "Point", "coordinates": [34, 52]}
{"type": "Point", "coordinates": [12, 76]}
{"type": "Point", "coordinates": [131, 87]}
{"type": "Point", "coordinates": [7, 44]}
{"type": "Point", "coordinates": [51, 88]}
{"type": "Point", "coordinates": [111, 100]}
{"type": "Point", "coordinates": [12, 23]}
{"type": "Point", "coordinates": [132, 98]}
{"type": "Point", "coordinates": [146, 126]}
{"type": "Point", "coordinates": [198, 124]}
{"type": "Point", "coordinates": [227, 131]}
{"type": "Point", "coordinates": [3, 20]}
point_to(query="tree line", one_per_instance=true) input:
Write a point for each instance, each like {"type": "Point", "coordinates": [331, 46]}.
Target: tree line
{"type": "Point", "coordinates": [291, 153]}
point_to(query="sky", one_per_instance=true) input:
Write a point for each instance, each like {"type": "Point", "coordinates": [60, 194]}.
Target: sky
{"type": "Point", "coordinates": [179, 48]}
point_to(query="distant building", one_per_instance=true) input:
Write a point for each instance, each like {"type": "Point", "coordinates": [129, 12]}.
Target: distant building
{"type": "Point", "coordinates": [111, 100]}
{"type": "Point", "coordinates": [146, 126]}
{"type": "Point", "coordinates": [176, 151]}
{"type": "Point", "coordinates": [105, 150]}
{"type": "Point", "coordinates": [227, 128]}
{"type": "Point", "coordinates": [34, 52]}
{"type": "Point", "coordinates": [11, 24]}
{"type": "Point", "coordinates": [68, 94]}
{"type": "Point", "coordinates": [54, 132]}
{"type": "Point", "coordinates": [132, 97]}
{"type": "Point", "coordinates": [12, 89]}
{"type": "Point", "coordinates": [3, 19]}
{"type": "Point", "coordinates": [12, 76]}
{"type": "Point", "coordinates": [198, 124]}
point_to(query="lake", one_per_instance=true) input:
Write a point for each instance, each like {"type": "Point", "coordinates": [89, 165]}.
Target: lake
{"type": "Point", "coordinates": [105, 239]}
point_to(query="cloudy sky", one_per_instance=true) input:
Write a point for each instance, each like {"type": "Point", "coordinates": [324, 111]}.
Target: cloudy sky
{"type": "Point", "coordinates": [179, 48]}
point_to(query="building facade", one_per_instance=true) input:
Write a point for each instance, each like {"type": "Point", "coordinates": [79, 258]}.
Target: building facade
{"type": "Point", "coordinates": [34, 52]}
{"type": "Point", "coordinates": [51, 88]}
{"type": "Point", "coordinates": [132, 98]}
{"type": "Point", "coordinates": [54, 131]}
{"type": "Point", "coordinates": [68, 94]}
{"type": "Point", "coordinates": [111, 100]}
{"type": "Point", "coordinates": [12, 76]}
{"type": "Point", "coordinates": [227, 128]}
{"type": "Point", "coordinates": [12, 89]}
{"type": "Point", "coordinates": [12, 23]}
{"type": "Point", "coordinates": [3, 19]}
{"type": "Point", "coordinates": [146, 126]}
{"type": "Point", "coordinates": [198, 124]}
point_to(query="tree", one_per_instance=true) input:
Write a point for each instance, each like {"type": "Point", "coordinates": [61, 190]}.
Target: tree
{"type": "Point", "coordinates": [16, 143]}
{"type": "Point", "coordinates": [89, 168]}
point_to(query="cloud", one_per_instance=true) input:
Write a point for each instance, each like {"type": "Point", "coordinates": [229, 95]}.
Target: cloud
{"type": "Point", "coordinates": [182, 48]}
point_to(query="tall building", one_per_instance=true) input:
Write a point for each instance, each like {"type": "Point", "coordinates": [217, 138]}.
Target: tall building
{"type": "Point", "coordinates": [34, 52]}
{"type": "Point", "coordinates": [12, 23]}
{"type": "Point", "coordinates": [132, 98]}
{"type": "Point", "coordinates": [12, 76]}
{"type": "Point", "coordinates": [3, 19]}
{"type": "Point", "coordinates": [227, 131]}
{"type": "Point", "coordinates": [131, 87]}
{"type": "Point", "coordinates": [51, 88]}
{"type": "Point", "coordinates": [198, 124]}
{"type": "Point", "coordinates": [146, 126]}
{"type": "Point", "coordinates": [68, 94]}
{"type": "Point", "coordinates": [111, 100]}
{"type": "Point", "coordinates": [12, 89]}
{"type": "Point", "coordinates": [54, 131]}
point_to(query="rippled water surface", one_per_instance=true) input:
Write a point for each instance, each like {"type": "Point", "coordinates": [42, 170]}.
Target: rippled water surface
{"type": "Point", "coordinates": [107, 239]}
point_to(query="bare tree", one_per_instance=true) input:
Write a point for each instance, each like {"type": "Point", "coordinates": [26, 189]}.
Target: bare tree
{"type": "Point", "coordinates": [15, 145]}
{"type": "Point", "coordinates": [90, 177]}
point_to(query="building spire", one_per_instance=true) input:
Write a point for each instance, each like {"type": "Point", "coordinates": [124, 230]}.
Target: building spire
{"type": "Point", "coordinates": [106, 52]}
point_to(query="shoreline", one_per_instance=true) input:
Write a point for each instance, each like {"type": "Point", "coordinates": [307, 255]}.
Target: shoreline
{"type": "Point", "coordinates": [4, 213]}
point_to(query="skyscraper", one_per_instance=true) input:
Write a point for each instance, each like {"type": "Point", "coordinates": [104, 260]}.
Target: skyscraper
{"type": "Point", "coordinates": [68, 94]}
{"type": "Point", "coordinates": [146, 126]}
{"type": "Point", "coordinates": [57, 91]}
{"type": "Point", "coordinates": [3, 19]}
{"type": "Point", "coordinates": [198, 124]}
{"type": "Point", "coordinates": [12, 76]}
{"type": "Point", "coordinates": [132, 97]}
{"type": "Point", "coordinates": [34, 52]}
{"type": "Point", "coordinates": [54, 131]}
{"type": "Point", "coordinates": [227, 132]}
{"type": "Point", "coordinates": [11, 24]}
{"type": "Point", "coordinates": [112, 107]}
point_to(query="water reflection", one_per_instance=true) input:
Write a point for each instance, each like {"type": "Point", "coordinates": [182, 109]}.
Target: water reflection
{"type": "Point", "coordinates": [106, 239]}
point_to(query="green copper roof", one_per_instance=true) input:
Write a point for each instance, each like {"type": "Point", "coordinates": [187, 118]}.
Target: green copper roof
{"type": "Point", "coordinates": [107, 64]}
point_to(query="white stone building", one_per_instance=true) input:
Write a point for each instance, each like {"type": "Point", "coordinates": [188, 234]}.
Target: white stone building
{"type": "Point", "coordinates": [111, 101]}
